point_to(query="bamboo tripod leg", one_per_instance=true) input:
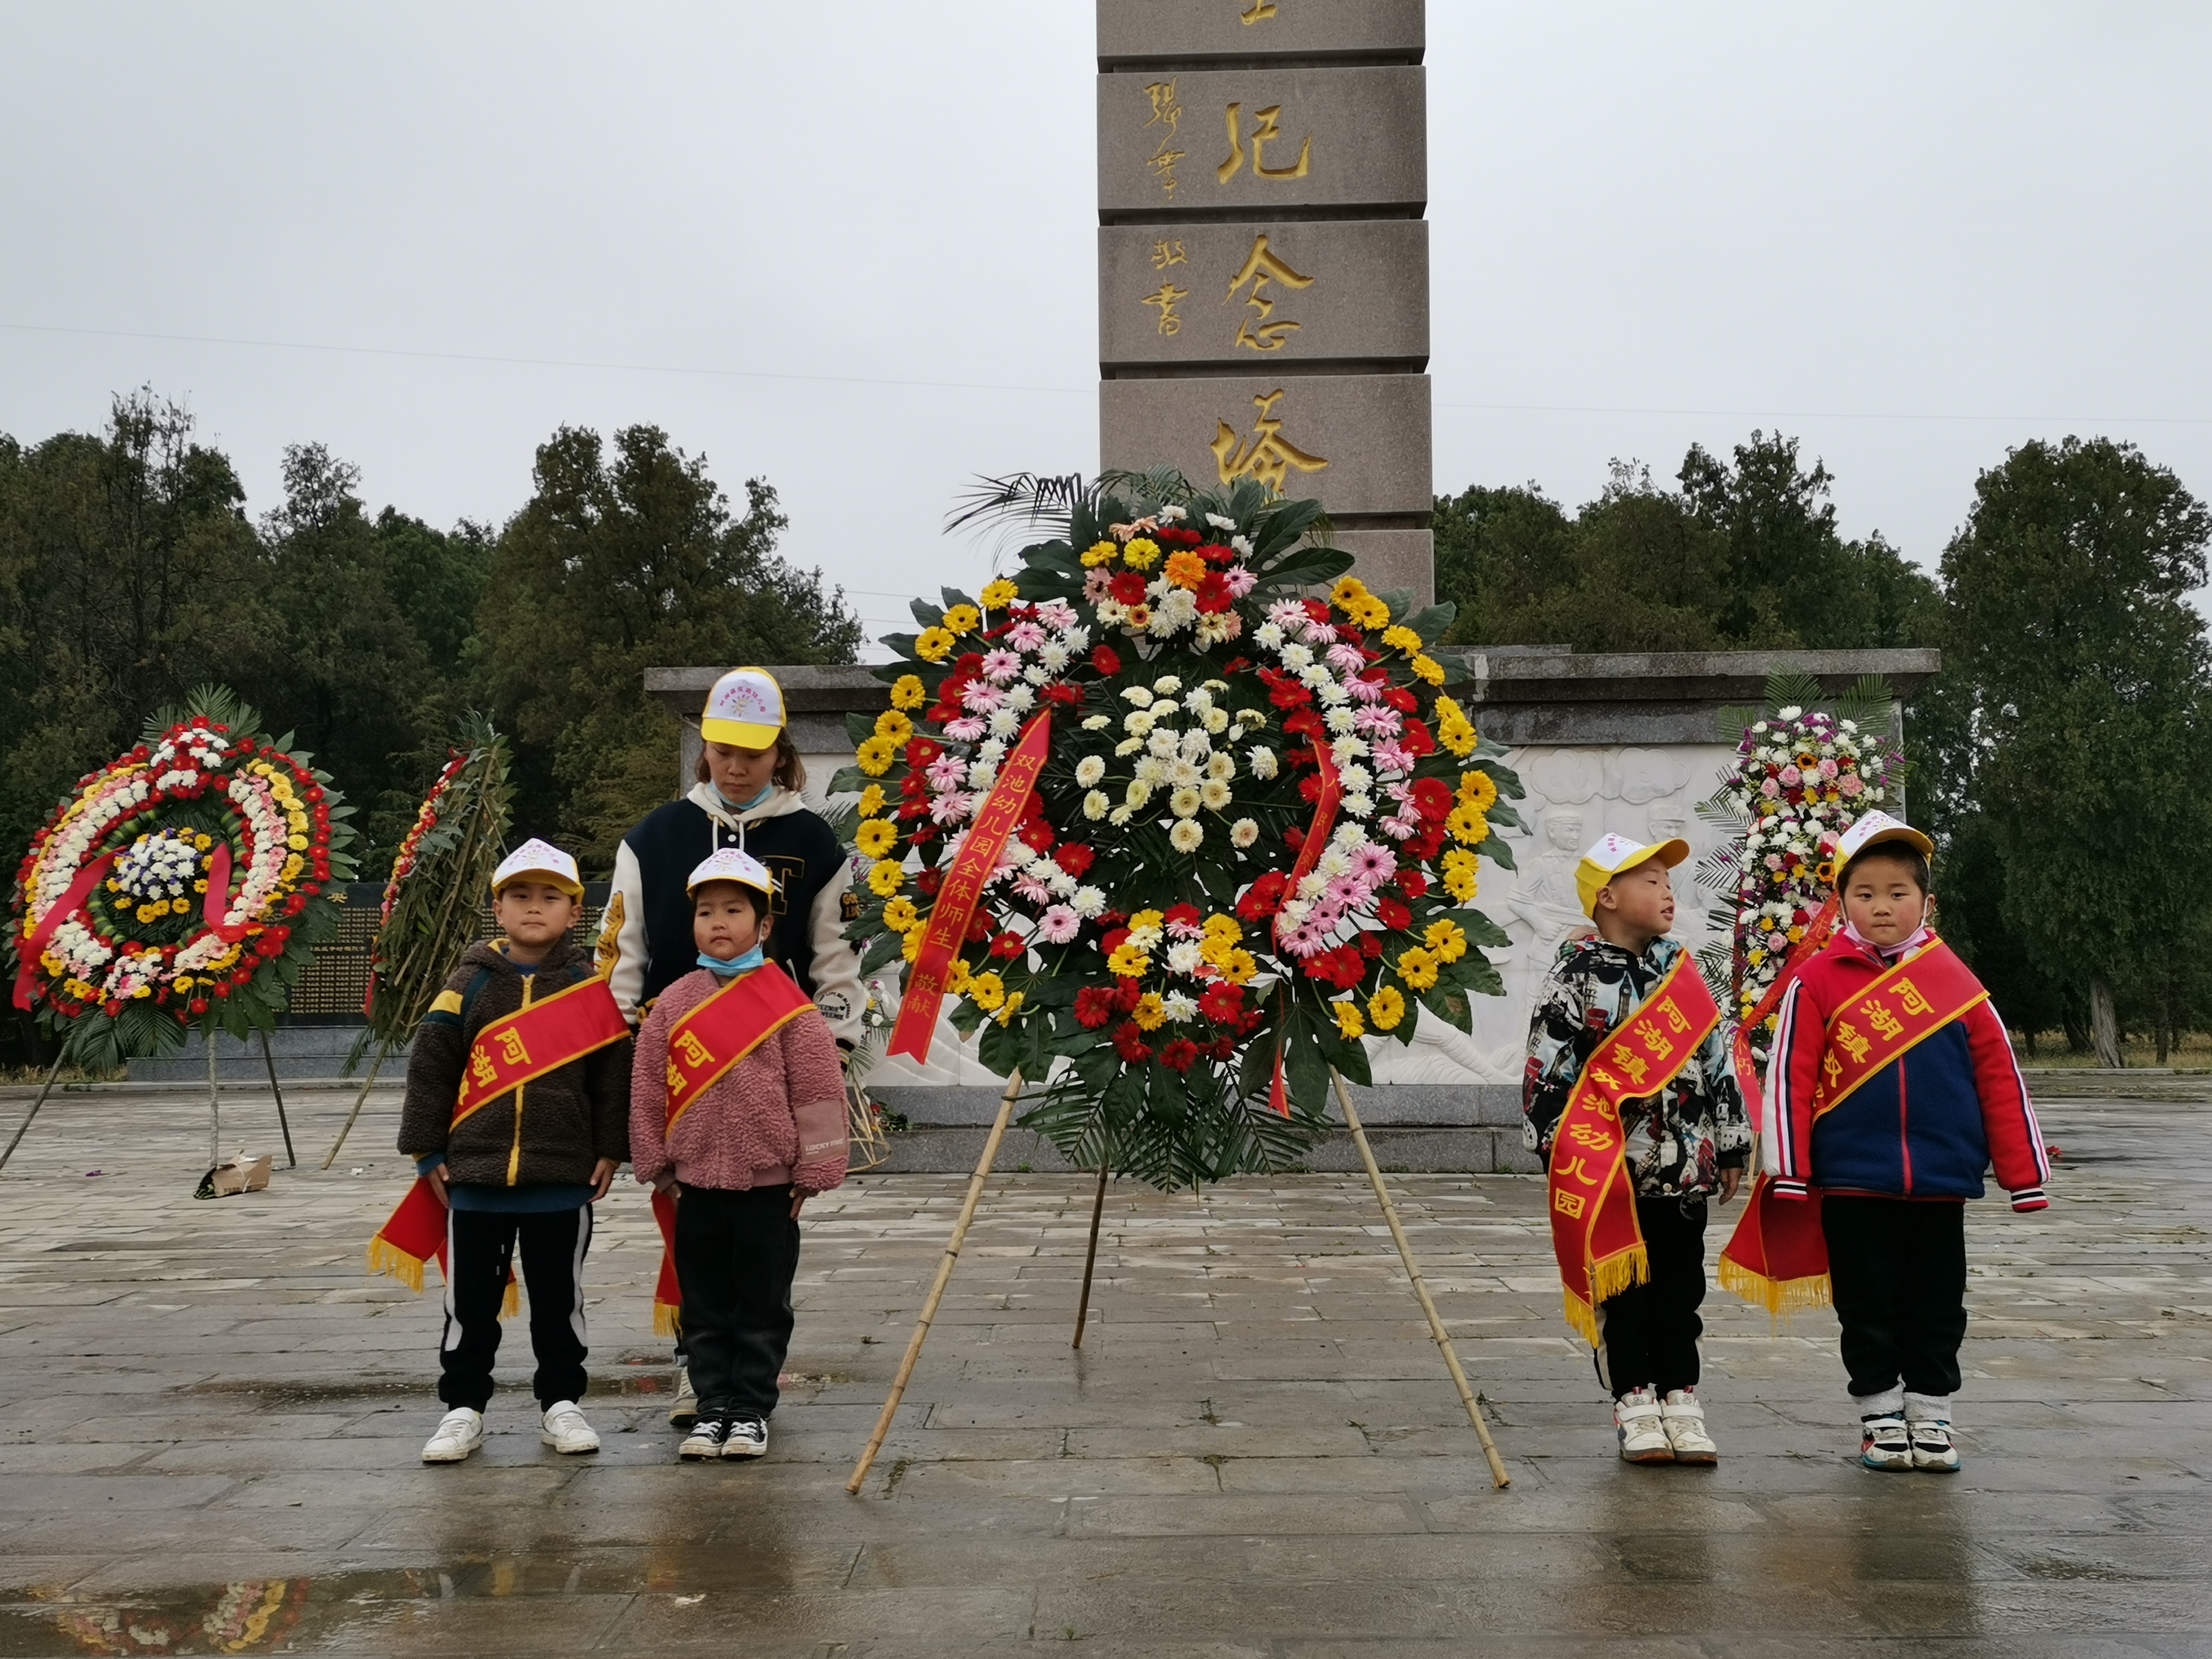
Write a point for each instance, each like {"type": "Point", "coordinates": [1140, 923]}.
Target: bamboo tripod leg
{"type": "Point", "coordinates": [1420, 1289]}
{"type": "Point", "coordinates": [358, 1101]}
{"type": "Point", "coordinates": [943, 1277]}
{"type": "Point", "coordinates": [35, 1104]}
{"type": "Point", "coordinates": [1090, 1256]}
{"type": "Point", "coordinates": [214, 1107]}
{"type": "Point", "coordinates": [291, 1158]}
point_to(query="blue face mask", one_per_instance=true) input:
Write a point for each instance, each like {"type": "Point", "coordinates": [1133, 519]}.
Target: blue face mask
{"type": "Point", "coordinates": [761, 800]}
{"type": "Point", "coordinates": [744, 965]}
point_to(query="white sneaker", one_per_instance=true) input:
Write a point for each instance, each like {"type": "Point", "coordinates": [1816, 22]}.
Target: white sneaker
{"type": "Point", "coordinates": [566, 1430]}
{"type": "Point", "coordinates": [1932, 1446]}
{"type": "Point", "coordinates": [1883, 1443]}
{"type": "Point", "coordinates": [1643, 1431]}
{"type": "Point", "coordinates": [748, 1439]}
{"type": "Point", "coordinates": [460, 1432]}
{"type": "Point", "coordinates": [684, 1411]}
{"type": "Point", "coordinates": [1685, 1417]}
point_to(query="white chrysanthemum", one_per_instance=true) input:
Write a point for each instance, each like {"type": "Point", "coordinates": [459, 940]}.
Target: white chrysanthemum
{"type": "Point", "coordinates": [1356, 777]}
{"type": "Point", "coordinates": [1039, 869]}
{"type": "Point", "coordinates": [1792, 713]}
{"type": "Point", "coordinates": [993, 749]}
{"type": "Point", "coordinates": [1167, 686]}
{"type": "Point", "coordinates": [1269, 635]}
{"type": "Point", "coordinates": [1215, 518]}
{"type": "Point", "coordinates": [1179, 1006]}
{"type": "Point", "coordinates": [1004, 722]}
{"type": "Point", "coordinates": [1097, 722]}
{"type": "Point", "coordinates": [1346, 750]}
{"type": "Point", "coordinates": [1333, 863]}
{"type": "Point", "coordinates": [1297, 656]}
{"type": "Point", "coordinates": [1217, 720]}
{"type": "Point", "coordinates": [1089, 770]}
{"type": "Point", "coordinates": [1297, 910]}
{"type": "Point", "coordinates": [1136, 794]}
{"type": "Point", "coordinates": [1152, 770]}
{"type": "Point", "coordinates": [1198, 699]}
{"type": "Point", "coordinates": [982, 775]}
{"type": "Point", "coordinates": [1315, 676]}
{"type": "Point", "coordinates": [1145, 937]}
{"type": "Point", "coordinates": [1166, 743]}
{"type": "Point", "coordinates": [1183, 802]}
{"type": "Point", "coordinates": [1089, 902]}
{"type": "Point", "coordinates": [1349, 837]}
{"type": "Point", "coordinates": [1312, 886]}
{"type": "Point", "coordinates": [1214, 794]}
{"type": "Point", "coordinates": [1183, 956]}
{"type": "Point", "coordinates": [1243, 833]}
{"type": "Point", "coordinates": [1338, 721]}
{"type": "Point", "coordinates": [1359, 806]}
{"type": "Point", "coordinates": [1184, 775]}
{"type": "Point", "coordinates": [1137, 695]}
{"type": "Point", "coordinates": [1077, 640]}
{"type": "Point", "coordinates": [1186, 837]}
{"type": "Point", "coordinates": [1035, 675]}
{"type": "Point", "coordinates": [1119, 818]}
{"type": "Point", "coordinates": [1020, 698]}
{"type": "Point", "coordinates": [1129, 745]}
{"type": "Point", "coordinates": [1240, 544]}
{"type": "Point", "coordinates": [1259, 761]}
{"type": "Point", "coordinates": [1196, 746]}
{"type": "Point", "coordinates": [1060, 881]}
{"type": "Point", "coordinates": [1052, 656]}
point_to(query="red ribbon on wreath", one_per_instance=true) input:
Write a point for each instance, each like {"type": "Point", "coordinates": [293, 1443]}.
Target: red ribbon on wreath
{"type": "Point", "coordinates": [963, 891]}
{"type": "Point", "coordinates": [1309, 851]}
{"type": "Point", "coordinates": [34, 945]}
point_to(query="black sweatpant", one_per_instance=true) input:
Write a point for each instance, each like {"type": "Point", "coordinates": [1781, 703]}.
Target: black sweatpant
{"type": "Point", "coordinates": [1898, 1270]}
{"type": "Point", "coordinates": [1647, 1336]}
{"type": "Point", "coordinates": [480, 1245]}
{"type": "Point", "coordinates": [736, 1255]}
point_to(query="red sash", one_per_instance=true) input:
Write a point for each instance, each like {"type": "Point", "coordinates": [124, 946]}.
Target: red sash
{"type": "Point", "coordinates": [963, 891]}
{"type": "Point", "coordinates": [702, 1046]}
{"type": "Point", "coordinates": [1778, 1254]}
{"type": "Point", "coordinates": [515, 1050]}
{"type": "Point", "coordinates": [1595, 1233]}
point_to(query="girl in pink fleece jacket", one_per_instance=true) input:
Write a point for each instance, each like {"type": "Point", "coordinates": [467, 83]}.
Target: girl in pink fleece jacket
{"type": "Point", "coordinates": [747, 1154]}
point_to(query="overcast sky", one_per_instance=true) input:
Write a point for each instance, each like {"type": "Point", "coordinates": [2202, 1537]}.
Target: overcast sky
{"type": "Point", "coordinates": [851, 247]}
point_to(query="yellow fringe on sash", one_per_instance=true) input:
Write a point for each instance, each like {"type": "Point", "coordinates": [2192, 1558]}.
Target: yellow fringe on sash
{"type": "Point", "coordinates": [385, 1257]}
{"type": "Point", "coordinates": [665, 1319]}
{"type": "Point", "coordinates": [1609, 1278]}
{"type": "Point", "coordinates": [1777, 1296]}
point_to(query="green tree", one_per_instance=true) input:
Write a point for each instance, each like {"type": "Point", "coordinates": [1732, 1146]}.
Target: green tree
{"type": "Point", "coordinates": [2088, 682]}
{"type": "Point", "coordinates": [626, 558]}
{"type": "Point", "coordinates": [127, 576]}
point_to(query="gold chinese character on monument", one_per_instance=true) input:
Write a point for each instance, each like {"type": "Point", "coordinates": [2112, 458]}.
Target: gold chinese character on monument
{"type": "Point", "coordinates": [1263, 134]}
{"type": "Point", "coordinates": [1258, 12]}
{"type": "Point", "coordinates": [1267, 455]}
{"type": "Point", "coordinates": [1165, 300]}
{"type": "Point", "coordinates": [1167, 113]}
{"type": "Point", "coordinates": [1263, 267]}
{"type": "Point", "coordinates": [1167, 253]}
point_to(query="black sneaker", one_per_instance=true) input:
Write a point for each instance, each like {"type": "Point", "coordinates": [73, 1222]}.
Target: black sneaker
{"type": "Point", "coordinates": [747, 1437]}
{"type": "Point", "coordinates": [708, 1435]}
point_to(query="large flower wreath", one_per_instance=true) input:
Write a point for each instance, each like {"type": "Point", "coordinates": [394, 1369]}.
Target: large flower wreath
{"type": "Point", "coordinates": [1801, 776]}
{"type": "Point", "coordinates": [184, 883]}
{"type": "Point", "coordinates": [1253, 840]}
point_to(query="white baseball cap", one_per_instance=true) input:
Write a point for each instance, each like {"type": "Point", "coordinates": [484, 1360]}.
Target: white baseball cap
{"type": "Point", "coordinates": [745, 709]}
{"type": "Point", "coordinates": [544, 860]}
{"type": "Point", "coordinates": [1876, 827]}
{"type": "Point", "coordinates": [1613, 855]}
{"type": "Point", "coordinates": [728, 863]}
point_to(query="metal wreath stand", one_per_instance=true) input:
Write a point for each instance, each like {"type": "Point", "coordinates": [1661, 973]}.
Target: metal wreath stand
{"type": "Point", "coordinates": [1468, 1396]}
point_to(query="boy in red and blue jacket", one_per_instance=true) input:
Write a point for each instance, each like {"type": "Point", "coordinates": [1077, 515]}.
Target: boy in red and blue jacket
{"type": "Point", "coordinates": [1892, 1088]}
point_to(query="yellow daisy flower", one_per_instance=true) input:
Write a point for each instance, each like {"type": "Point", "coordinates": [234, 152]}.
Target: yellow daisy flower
{"type": "Point", "coordinates": [1151, 1012]}
{"type": "Point", "coordinates": [1349, 1026]}
{"type": "Point", "coordinates": [875, 755]}
{"type": "Point", "coordinates": [1427, 667]}
{"type": "Point", "coordinates": [894, 726]}
{"type": "Point", "coordinates": [900, 914]}
{"type": "Point", "coordinates": [1401, 638]}
{"type": "Point", "coordinates": [876, 837]}
{"type": "Point", "coordinates": [987, 991]}
{"type": "Point", "coordinates": [1459, 873]}
{"type": "Point", "coordinates": [1386, 1008]}
{"type": "Point", "coordinates": [907, 692]}
{"type": "Point", "coordinates": [1417, 967]}
{"type": "Point", "coordinates": [1141, 553]}
{"type": "Point", "coordinates": [999, 595]}
{"type": "Point", "coordinates": [885, 876]}
{"type": "Point", "coordinates": [963, 619]}
{"type": "Point", "coordinates": [1099, 553]}
{"type": "Point", "coordinates": [872, 800]}
{"type": "Point", "coordinates": [1446, 938]}
{"type": "Point", "coordinates": [1128, 962]}
{"type": "Point", "coordinates": [1476, 788]}
{"type": "Point", "coordinates": [1348, 589]}
{"type": "Point", "coordinates": [934, 645]}
{"type": "Point", "coordinates": [1014, 1000]}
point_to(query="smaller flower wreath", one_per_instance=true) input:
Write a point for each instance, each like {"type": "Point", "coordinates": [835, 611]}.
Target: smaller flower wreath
{"type": "Point", "coordinates": [184, 881]}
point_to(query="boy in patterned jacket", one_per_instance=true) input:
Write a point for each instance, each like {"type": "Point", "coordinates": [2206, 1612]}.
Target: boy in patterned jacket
{"type": "Point", "coordinates": [1689, 1140]}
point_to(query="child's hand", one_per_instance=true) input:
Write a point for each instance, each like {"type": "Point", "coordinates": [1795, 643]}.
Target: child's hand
{"type": "Point", "coordinates": [797, 1202]}
{"type": "Point", "coordinates": [1731, 1178]}
{"type": "Point", "coordinates": [603, 1176]}
{"type": "Point", "coordinates": [437, 1180]}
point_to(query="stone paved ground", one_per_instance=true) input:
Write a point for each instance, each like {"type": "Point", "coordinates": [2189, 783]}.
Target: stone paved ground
{"type": "Point", "coordinates": [208, 1424]}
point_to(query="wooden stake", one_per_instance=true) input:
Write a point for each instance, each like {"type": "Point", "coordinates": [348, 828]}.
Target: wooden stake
{"type": "Point", "coordinates": [35, 1104]}
{"type": "Point", "coordinates": [291, 1160]}
{"type": "Point", "coordinates": [357, 1103]}
{"type": "Point", "coordinates": [1413, 1271]}
{"type": "Point", "coordinates": [1090, 1256]}
{"type": "Point", "coordinates": [943, 1277]}
{"type": "Point", "coordinates": [214, 1106]}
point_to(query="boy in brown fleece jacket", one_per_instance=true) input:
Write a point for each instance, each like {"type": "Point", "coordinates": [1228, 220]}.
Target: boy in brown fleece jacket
{"type": "Point", "coordinates": [745, 1152]}
{"type": "Point", "coordinates": [523, 1167]}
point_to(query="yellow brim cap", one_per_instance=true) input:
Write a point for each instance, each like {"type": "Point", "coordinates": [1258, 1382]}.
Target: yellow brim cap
{"type": "Point", "coordinates": [538, 861]}
{"type": "Point", "coordinates": [1616, 855]}
{"type": "Point", "coordinates": [740, 734]}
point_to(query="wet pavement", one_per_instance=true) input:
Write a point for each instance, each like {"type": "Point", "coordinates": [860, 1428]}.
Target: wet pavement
{"type": "Point", "coordinates": [210, 1421]}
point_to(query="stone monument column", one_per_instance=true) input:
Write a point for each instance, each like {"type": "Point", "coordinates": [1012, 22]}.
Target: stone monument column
{"type": "Point", "coordinates": [1263, 264]}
